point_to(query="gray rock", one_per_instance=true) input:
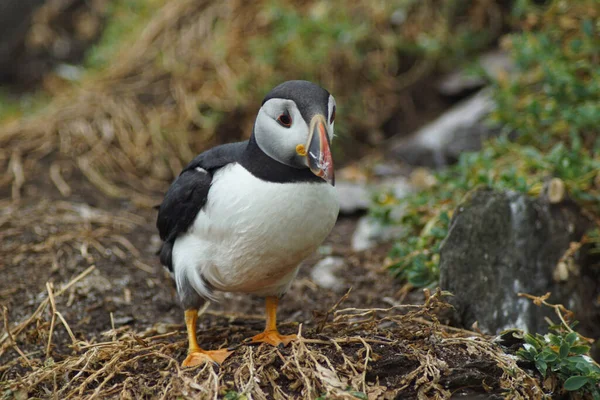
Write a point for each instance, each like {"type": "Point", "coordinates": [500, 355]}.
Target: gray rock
{"type": "Point", "coordinates": [353, 196]}
{"type": "Point", "coordinates": [494, 63]}
{"type": "Point", "coordinates": [370, 232]}
{"type": "Point", "coordinates": [324, 273]}
{"type": "Point", "coordinates": [503, 243]}
{"type": "Point", "coordinates": [462, 128]}
{"type": "Point", "coordinates": [356, 196]}
{"type": "Point", "coordinates": [399, 186]}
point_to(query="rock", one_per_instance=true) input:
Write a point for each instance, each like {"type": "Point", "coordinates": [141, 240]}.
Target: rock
{"type": "Point", "coordinates": [370, 232]}
{"type": "Point", "coordinates": [504, 243]}
{"type": "Point", "coordinates": [462, 128]}
{"type": "Point", "coordinates": [399, 186]}
{"type": "Point", "coordinates": [353, 196]}
{"type": "Point", "coordinates": [324, 273]}
{"type": "Point", "coordinates": [494, 63]}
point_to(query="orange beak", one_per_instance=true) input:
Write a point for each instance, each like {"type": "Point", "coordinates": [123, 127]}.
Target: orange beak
{"type": "Point", "coordinates": [318, 156]}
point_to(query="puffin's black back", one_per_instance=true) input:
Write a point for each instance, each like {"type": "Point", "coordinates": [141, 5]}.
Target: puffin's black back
{"type": "Point", "coordinates": [188, 193]}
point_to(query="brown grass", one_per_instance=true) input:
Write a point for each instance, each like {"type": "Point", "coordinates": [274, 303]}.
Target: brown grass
{"type": "Point", "coordinates": [335, 363]}
{"type": "Point", "coordinates": [190, 81]}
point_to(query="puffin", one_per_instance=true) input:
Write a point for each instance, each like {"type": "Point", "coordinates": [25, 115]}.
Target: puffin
{"type": "Point", "coordinates": [242, 216]}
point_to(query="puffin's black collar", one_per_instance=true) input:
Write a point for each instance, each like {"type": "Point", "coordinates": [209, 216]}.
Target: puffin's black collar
{"type": "Point", "coordinates": [264, 167]}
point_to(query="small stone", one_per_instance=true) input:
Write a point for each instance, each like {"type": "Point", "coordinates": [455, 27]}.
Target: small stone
{"type": "Point", "coordinates": [154, 244]}
{"type": "Point", "coordinates": [353, 197]}
{"type": "Point", "coordinates": [398, 17]}
{"type": "Point", "coordinates": [161, 328]}
{"type": "Point", "coordinates": [561, 272]}
{"type": "Point", "coordinates": [324, 273]}
{"type": "Point", "coordinates": [124, 320]}
{"type": "Point", "coordinates": [370, 232]}
{"type": "Point", "coordinates": [556, 190]}
{"type": "Point", "coordinates": [494, 63]}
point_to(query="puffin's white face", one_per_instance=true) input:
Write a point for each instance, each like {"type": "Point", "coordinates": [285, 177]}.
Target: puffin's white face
{"type": "Point", "coordinates": [283, 134]}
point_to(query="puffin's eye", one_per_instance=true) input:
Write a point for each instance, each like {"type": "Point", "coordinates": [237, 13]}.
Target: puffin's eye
{"type": "Point", "coordinates": [332, 116]}
{"type": "Point", "coordinates": [285, 120]}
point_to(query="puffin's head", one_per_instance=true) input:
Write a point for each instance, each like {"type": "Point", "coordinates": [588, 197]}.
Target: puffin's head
{"type": "Point", "coordinates": [295, 127]}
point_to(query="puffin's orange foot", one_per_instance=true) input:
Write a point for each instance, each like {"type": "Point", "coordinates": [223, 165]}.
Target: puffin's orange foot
{"type": "Point", "coordinates": [199, 357]}
{"type": "Point", "coordinates": [273, 338]}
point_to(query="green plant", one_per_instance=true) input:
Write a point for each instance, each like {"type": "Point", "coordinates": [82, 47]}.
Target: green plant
{"type": "Point", "coordinates": [555, 92]}
{"type": "Point", "coordinates": [566, 355]}
{"type": "Point", "coordinates": [416, 260]}
{"type": "Point", "coordinates": [562, 353]}
{"type": "Point", "coordinates": [233, 395]}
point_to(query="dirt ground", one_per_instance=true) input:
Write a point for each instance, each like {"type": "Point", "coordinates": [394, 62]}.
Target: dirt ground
{"type": "Point", "coordinates": [92, 314]}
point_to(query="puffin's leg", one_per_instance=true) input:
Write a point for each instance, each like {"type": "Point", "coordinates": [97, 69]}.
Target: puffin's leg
{"type": "Point", "coordinates": [271, 335]}
{"type": "Point", "coordinates": [196, 355]}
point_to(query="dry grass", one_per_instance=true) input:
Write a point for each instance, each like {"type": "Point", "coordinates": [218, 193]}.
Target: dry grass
{"type": "Point", "coordinates": [191, 81]}
{"type": "Point", "coordinates": [49, 233]}
{"type": "Point", "coordinates": [338, 362]}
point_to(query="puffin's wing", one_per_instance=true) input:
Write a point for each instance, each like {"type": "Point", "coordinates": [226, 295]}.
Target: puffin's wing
{"type": "Point", "coordinates": [188, 193]}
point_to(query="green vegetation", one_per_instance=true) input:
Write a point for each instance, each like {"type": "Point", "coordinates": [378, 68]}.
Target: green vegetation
{"type": "Point", "coordinates": [125, 21]}
{"type": "Point", "coordinates": [13, 106]}
{"type": "Point", "coordinates": [552, 102]}
{"type": "Point", "coordinates": [562, 354]}
{"type": "Point", "coordinates": [566, 355]}
{"type": "Point", "coordinates": [556, 94]}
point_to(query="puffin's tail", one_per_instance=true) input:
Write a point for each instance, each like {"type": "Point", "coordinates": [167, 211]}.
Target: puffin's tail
{"type": "Point", "coordinates": [166, 255]}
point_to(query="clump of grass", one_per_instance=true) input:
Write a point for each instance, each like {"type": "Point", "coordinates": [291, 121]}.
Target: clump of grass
{"type": "Point", "coordinates": [552, 103]}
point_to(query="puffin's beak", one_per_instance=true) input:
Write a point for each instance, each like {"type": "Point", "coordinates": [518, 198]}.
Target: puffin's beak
{"type": "Point", "coordinates": [318, 156]}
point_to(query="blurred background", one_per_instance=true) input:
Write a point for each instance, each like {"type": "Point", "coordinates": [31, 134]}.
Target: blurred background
{"type": "Point", "coordinates": [467, 149]}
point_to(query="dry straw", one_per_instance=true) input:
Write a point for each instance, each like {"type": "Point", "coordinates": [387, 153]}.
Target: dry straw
{"type": "Point", "coordinates": [335, 363]}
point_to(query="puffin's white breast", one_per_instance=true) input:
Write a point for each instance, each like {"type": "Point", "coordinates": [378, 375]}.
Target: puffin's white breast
{"type": "Point", "coordinates": [251, 234]}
